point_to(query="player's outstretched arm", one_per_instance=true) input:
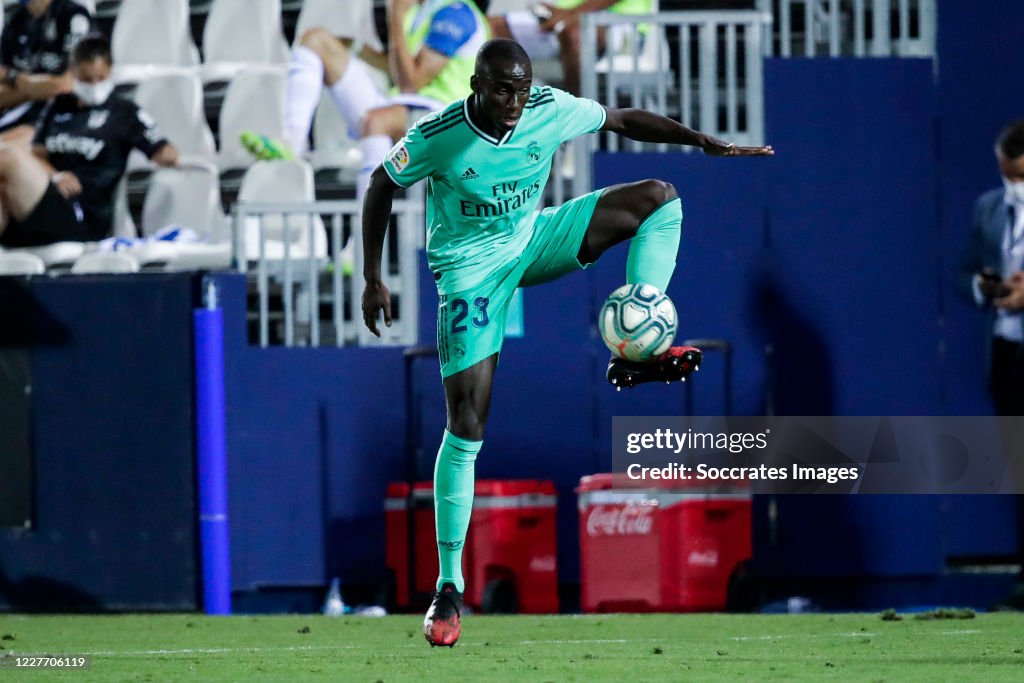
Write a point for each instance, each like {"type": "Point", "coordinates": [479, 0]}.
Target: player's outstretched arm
{"type": "Point", "coordinates": [645, 126]}
{"type": "Point", "coordinates": [376, 214]}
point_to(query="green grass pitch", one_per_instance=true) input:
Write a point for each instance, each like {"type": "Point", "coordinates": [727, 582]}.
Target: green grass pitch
{"type": "Point", "coordinates": [632, 648]}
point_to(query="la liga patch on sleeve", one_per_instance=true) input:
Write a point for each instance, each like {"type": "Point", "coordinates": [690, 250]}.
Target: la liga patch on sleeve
{"type": "Point", "coordinates": [399, 158]}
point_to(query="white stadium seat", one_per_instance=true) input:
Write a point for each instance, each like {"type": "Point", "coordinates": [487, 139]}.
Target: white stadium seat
{"type": "Point", "coordinates": [148, 35]}
{"type": "Point", "coordinates": [57, 255]}
{"type": "Point", "coordinates": [332, 147]}
{"type": "Point", "coordinates": [254, 101]}
{"type": "Point", "coordinates": [242, 32]}
{"type": "Point", "coordinates": [105, 262]}
{"type": "Point", "coordinates": [21, 263]}
{"type": "Point", "coordinates": [188, 196]}
{"type": "Point", "coordinates": [174, 99]}
{"type": "Point", "coordinates": [122, 223]}
{"type": "Point", "coordinates": [352, 19]}
{"type": "Point", "coordinates": [281, 182]}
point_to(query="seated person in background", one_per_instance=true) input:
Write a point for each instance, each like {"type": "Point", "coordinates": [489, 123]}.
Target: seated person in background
{"type": "Point", "coordinates": [433, 45]}
{"type": "Point", "coordinates": [63, 190]}
{"type": "Point", "coordinates": [553, 31]}
{"type": "Point", "coordinates": [35, 50]}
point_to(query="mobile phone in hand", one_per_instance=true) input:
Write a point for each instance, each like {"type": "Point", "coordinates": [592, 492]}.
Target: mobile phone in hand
{"type": "Point", "coordinates": [990, 275]}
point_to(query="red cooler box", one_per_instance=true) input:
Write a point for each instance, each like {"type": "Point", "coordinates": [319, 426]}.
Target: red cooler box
{"type": "Point", "coordinates": [510, 546]}
{"type": "Point", "coordinates": [659, 546]}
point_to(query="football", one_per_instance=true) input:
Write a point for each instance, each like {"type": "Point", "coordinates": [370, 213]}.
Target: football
{"type": "Point", "coordinates": [637, 322]}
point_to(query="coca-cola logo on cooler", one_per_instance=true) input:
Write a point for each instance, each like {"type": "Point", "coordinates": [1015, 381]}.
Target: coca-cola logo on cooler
{"type": "Point", "coordinates": [632, 519]}
{"type": "Point", "coordinates": [702, 558]}
{"type": "Point", "coordinates": [543, 563]}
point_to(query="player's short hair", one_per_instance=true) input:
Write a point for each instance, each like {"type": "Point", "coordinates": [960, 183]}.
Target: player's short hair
{"type": "Point", "coordinates": [500, 51]}
{"type": "Point", "coordinates": [93, 46]}
{"type": "Point", "coordinates": [1010, 142]}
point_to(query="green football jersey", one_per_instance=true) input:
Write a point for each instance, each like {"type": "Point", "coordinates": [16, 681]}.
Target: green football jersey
{"type": "Point", "coordinates": [482, 191]}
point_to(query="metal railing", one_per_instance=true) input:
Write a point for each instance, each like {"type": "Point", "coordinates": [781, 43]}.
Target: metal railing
{"type": "Point", "coordinates": [704, 69]}
{"type": "Point", "coordinates": [292, 263]}
{"type": "Point", "coordinates": [857, 28]}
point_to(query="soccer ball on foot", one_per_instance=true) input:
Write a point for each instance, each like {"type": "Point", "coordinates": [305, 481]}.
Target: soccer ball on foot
{"type": "Point", "coordinates": [637, 322]}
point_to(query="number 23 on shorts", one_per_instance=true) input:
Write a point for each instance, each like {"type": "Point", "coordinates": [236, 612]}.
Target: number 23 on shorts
{"type": "Point", "coordinates": [460, 310]}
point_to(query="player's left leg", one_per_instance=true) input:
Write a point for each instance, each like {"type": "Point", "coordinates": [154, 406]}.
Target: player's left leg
{"type": "Point", "coordinates": [468, 397]}
{"type": "Point", "coordinates": [470, 332]}
{"type": "Point", "coordinates": [649, 214]}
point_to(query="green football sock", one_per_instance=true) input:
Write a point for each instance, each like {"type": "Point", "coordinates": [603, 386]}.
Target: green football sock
{"type": "Point", "coordinates": [453, 503]}
{"type": "Point", "coordinates": [652, 252]}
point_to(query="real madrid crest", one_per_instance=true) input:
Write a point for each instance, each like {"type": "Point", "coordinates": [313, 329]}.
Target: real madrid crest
{"type": "Point", "coordinates": [533, 152]}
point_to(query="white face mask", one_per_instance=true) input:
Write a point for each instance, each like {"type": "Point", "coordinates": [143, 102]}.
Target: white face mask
{"type": "Point", "coordinates": [93, 94]}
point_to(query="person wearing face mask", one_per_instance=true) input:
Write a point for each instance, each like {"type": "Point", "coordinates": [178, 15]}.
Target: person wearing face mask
{"type": "Point", "coordinates": [992, 275]}
{"type": "Point", "coordinates": [35, 52]}
{"type": "Point", "coordinates": [63, 190]}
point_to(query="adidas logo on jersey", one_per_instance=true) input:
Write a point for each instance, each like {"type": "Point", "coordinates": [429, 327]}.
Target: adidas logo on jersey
{"type": "Point", "coordinates": [470, 174]}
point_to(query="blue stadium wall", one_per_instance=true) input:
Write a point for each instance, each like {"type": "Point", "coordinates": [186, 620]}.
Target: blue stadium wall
{"type": "Point", "coordinates": [829, 267]}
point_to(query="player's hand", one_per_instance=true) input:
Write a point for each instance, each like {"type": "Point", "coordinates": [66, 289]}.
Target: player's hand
{"type": "Point", "coordinates": [1014, 300]}
{"type": "Point", "coordinates": [67, 184]}
{"type": "Point", "coordinates": [558, 20]}
{"type": "Point", "coordinates": [714, 147]}
{"type": "Point", "coordinates": [376, 298]}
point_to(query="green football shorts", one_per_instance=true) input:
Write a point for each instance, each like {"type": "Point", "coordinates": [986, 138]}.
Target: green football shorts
{"type": "Point", "coordinates": [471, 323]}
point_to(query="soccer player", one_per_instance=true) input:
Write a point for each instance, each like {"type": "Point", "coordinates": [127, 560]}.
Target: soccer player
{"type": "Point", "coordinates": [63, 190]}
{"type": "Point", "coordinates": [487, 159]}
{"type": "Point", "coordinates": [35, 51]}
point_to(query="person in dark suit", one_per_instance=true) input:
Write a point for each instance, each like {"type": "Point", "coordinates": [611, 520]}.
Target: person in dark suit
{"type": "Point", "coordinates": [993, 270]}
{"type": "Point", "coordinates": [992, 274]}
